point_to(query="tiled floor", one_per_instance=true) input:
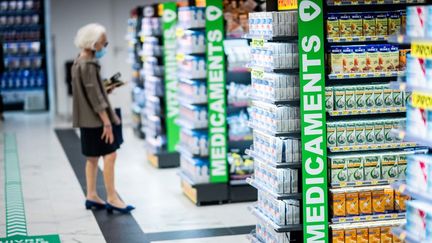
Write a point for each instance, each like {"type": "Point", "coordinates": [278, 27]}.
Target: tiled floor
{"type": "Point", "coordinates": [54, 199]}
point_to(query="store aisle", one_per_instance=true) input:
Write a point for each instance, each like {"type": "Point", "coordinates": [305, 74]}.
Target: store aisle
{"type": "Point", "coordinates": [53, 195]}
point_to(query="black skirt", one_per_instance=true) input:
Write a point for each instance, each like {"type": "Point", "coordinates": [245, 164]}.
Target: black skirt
{"type": "Point", "coordinates": [93, 146]}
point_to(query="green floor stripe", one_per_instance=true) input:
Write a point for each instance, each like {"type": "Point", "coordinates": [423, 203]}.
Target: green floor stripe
{"type": "Point", "coordinates": [16, 225]}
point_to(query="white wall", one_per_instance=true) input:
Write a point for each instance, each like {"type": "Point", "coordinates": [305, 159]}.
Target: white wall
{"type": "Point", "coordinates": [66, 18]}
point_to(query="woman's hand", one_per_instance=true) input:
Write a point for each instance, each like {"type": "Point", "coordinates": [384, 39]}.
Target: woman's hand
{"type": "Point", "coordinates": [107, 134]}
{"type": "Point", "coordinates": [117, 120]}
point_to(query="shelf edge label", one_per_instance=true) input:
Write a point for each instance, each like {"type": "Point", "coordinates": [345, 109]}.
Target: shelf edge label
{"type": "Point", "coordinates": [313, 121]}
{"type": "Point", "coordinates": [216, 92]}
{"type": "Point", "coordinates": [421, 100]}
{"type": "Point", "coordinates": [169, 21]}
{"type": "Point", "coordinates": [421, 50]}
{"type": "Point", "coordinates": [287, 4]}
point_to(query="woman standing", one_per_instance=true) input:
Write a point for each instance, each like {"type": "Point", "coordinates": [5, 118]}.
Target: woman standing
{"type": "Point", "coordinates": [93, 114]}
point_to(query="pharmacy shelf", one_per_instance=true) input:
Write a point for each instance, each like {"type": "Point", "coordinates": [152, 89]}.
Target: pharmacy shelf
{"type": "Point", "coordinates": [340, 76]}
{"type": "Point", "coordinates": [410, 88]}
{"type": "Point", "coordinates": [372, 147]}
{"type": "Point", "coordinates": [412, 192]}
{"type": "Point", "coordinates": [181, 148]}
{"type": "Point", "coordinates": [271, 38]}
{"type": "Point", "coordinates": [254, 239]}
{"type": "Point", "coordinates": [404, 39]}
{"type": "Point", "coordinates": [362, 183]}
{"type": "Point", "coordinates": [256, 156]}
{"type": "Point", "coordinates": [276, 102]}
{"type": "Point", "coordinates": [278, 228]}
{"type": "Point", "coordinates": [356, 39]}
{"type": "Point", "coordinates": [357, 219]}
{"type": "Point", "coordinates": [273, 70]}
{"type": "Point", "coordinates": [370, 2]}
{"type": "Point", "coordinates": [277, 196]}
{"type": "Point", "coordinates": [187, 100]}
{"type": "Point", "coordinates": [273, 133]}
{"type": "Point", "coordinates": [406, 236]}
{"type": "Point", "coordinates": [188, 125]}
{"type": "Point", "coordinates": [403, 135]}
{"type": "Point", "coordinates": [367, 111]}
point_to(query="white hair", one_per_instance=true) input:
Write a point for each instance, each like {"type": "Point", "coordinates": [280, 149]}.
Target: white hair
{"type": "Point", "coordinates": [88, 35]}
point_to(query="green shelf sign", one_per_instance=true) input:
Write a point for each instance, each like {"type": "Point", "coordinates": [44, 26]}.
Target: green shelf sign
{"type": "Point", "coordinates": [169, 21]}
{"type": "Point", "coordinates": [313, 121]}
{"type": "Point", "coordinates": [216, 82]}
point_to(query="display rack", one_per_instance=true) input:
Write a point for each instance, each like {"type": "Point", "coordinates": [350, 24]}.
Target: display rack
{"type": "Point", "coordinates": [156, 85]}
{"type": "Point", "coordinates": [345, 90]}
{"type": "Point", "coordinates": [211, 150]}
{"type": "Point", "coordinates": [276, 149]}
{"type": "Point", "coordinates": [419, 104]}
{"type": "Point", "coordinates": [23, 83]}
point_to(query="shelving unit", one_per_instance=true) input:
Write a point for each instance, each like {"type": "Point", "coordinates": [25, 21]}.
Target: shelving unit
{"type": "Point", "coordinates": [416, 189]}
{"type": "Point", "coordinates": [207, 112]}
{"type": "Point", "coordinates": [24, 83]}
{"type": "Point", "coordinates": [345, 91]}
{"type": "Point", "coordinates": [134, 59]}
{"type": "Point", "coordinates": [275, 92]}
{"type": "Point", "coordinates": [153, 56]}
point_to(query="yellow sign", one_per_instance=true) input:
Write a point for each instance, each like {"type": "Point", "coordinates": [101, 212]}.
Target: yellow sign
{"type": "Point", "coordinates": [422, 100]}
{"type": "Point", "coordinates": [287, 4]}
{"type": "Point", "coordinates": [257, 43]}
{"type": "Point", "coordinates": [180, 57]}
{"type": "Point", "coordinates": [257, 74]}
{"type": "Point", "coordinates": [421, 49]}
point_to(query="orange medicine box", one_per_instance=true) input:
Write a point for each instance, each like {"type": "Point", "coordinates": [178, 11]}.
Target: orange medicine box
{"type": "Point", "coordinates": [352, 203]}
{"type": "Point", "coordinates": [378, 201]}
{"type": "Point", "coordinates": [375, 235]}
{"type": "Point", "coordinates": [351, 236]}
{"type": "Point", "coordinates": [389, 200]}
{"type": "Point", "coordinates": [386, 235]}
{"type": "Point", "coordinates": [339, 205]}
{"type": "Point", "coordinates": [338, 236]}
{"type": "Point", "coordinates": [363, 235]}
{"type": "Point", "coordinates": [365, 202]}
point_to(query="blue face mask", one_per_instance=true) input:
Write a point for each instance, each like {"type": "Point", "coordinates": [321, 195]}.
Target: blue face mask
{"type": "Point", "coordinates": [99, 54]}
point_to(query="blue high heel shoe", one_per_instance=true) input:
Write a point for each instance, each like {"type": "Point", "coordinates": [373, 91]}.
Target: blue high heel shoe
{"type": "Point", "coordinates": [92, 204]}
{"type": "Point", "coordinates": [110, 208]}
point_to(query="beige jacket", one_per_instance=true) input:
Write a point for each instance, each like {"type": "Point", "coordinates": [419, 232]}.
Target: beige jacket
{"type": "Point", "coordinates": [89, 95]}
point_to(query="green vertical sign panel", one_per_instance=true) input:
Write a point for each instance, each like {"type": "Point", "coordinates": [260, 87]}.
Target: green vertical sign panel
{"type": "Point", "coordinates": [169, 21]}
{"type": "Point", "coordinates": [313, 121]}
{"type": "Point", "coordinates": [216, 91]}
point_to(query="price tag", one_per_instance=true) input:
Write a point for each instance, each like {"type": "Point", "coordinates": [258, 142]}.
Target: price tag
{"type": "Point", "coordinates": [368, 2]}
{"type": "Point", "coordinates": [180, 57]}
{"type": "Point", "coordinates": [257, 74]}
{"type": "Point", "coordinates": [258, 43]}
{"type": "Point", "coordinates": [359, 183]}
{"type": "Point", "coordinates": [342, 220]}
{"type": "Point", "coordinates": [421, 50]}
{"type": "Point", "coordinates": [356, 219]}
{"type": "Point", "coordinates": [422, 100]}
{"type": "Point", "coordinates": [394, 216]}
{"type": "Point", "coordinates": [396, 1]}
{"type": "Point", "coordinates": [142, 38]}
{"type": "Point", "coordinates": [354, 2]}
{"type": "Point", "coordinates": [287, 4]}
{"type": "Point", "coordinates": [179, 32]}
{"type": "Point", "coordinates": [352, 75]}
{"type": "Point", "coordinates": [368, 218]}
{"type": "Point", "coordinates": [380, 1]}
{"type": "Point", "coordinates": [374, 182]}
{"type": "Point", "coordinates": [343, 184]}
{"type": "Point", "coordinates": [381, 217]}
{"type": "Point", "coordinates": [339, 76]}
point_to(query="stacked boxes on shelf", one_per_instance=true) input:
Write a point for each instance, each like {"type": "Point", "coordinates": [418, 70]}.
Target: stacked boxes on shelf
{"type": "Point", "coordinates": [24, 78]}
{"type": "Point", "coordinates": [418, 182]}
{"type": "Point", "coordinates": [275, 120]}
{"type": "Point", "coordinates": [134, 50]}
{"type": "Point", "coordinates": [152, 74]}
{"type": "Point", "coordinates": [192, 94]}
{"type": "Point", "coordinates": [363, 111]}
